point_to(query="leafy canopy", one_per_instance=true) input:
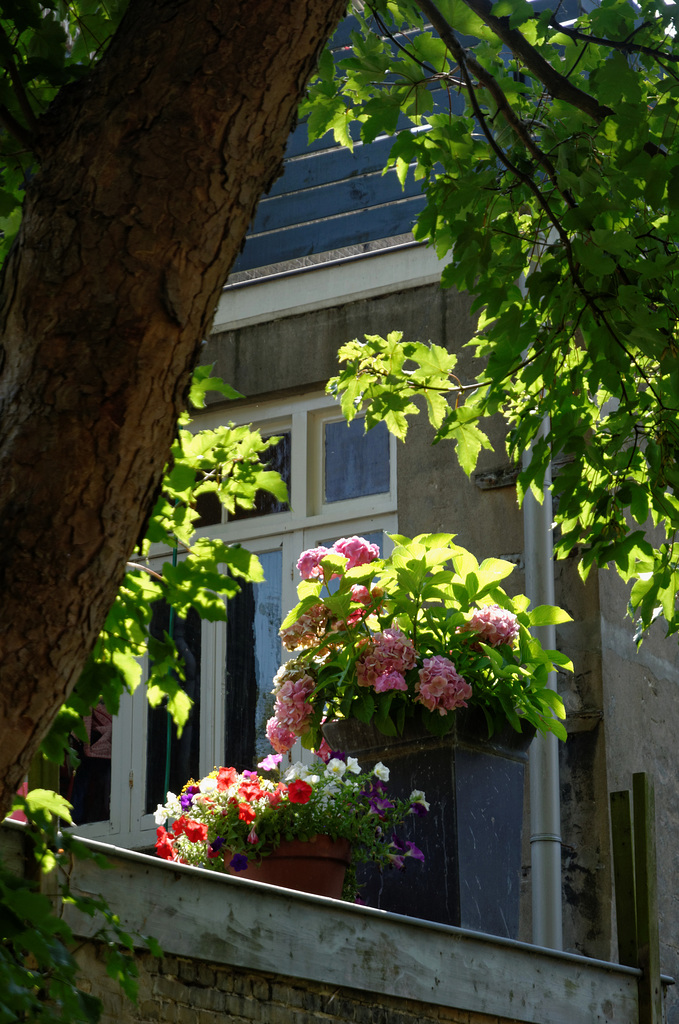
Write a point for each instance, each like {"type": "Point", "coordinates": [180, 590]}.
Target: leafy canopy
{"type": "Point", "coordinates": [546, 150]}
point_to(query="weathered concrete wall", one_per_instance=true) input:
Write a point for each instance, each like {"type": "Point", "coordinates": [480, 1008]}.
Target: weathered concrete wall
{"type": "Point", "coordinates": [641, 708]}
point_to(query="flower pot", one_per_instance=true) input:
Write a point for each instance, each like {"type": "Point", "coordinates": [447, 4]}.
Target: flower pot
{"type": "Point", "coordinates": [317, 866]}
{"type": "Point", "coordinates": [471, 838]}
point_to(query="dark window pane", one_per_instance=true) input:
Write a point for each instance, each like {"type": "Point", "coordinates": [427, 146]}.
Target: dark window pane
{"type": "Point", "coordinates": [356, 463]}
{"type": "Point", "coordinates": [278, 459]}
{"type": "Point", "coordinates": [253, 657]}
{"type": "Point", "coordinates": [185, 750]}
{"type": "Point", "coordinates": [209, 509]}
{"type": "Point", "coordinates": [90, 788]}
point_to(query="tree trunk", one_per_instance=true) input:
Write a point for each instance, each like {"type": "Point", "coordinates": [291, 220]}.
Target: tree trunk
{"type": "Point", "coordinates": [150, 170]}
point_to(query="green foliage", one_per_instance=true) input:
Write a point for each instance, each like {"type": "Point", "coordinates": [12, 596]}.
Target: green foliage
{"type": "Point", "coordinates": [337, 802]}
{"type": "Point", "coordinates": [554, 196]}
{"type": "Point", "coordinates": [44, 46]}
{"type": "Point", "coordinates": [431, 589]}
{"type": "Point", "coordinates": [229, 462]}
{"type": "Point", "coordinates": [38, 971]}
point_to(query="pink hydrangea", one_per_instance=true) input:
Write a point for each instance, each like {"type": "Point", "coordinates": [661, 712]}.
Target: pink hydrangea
{"type": "Point", "coordinates": [309, 562]}
{"type": "Point", "coordinates": [494, 625]}
{"type": "Point", "coordinates": [390, 681]}
{"type": "Point", "coordinates": [292, 687]}
{"type": "Point", "coordinates": [357, 550]}
{"type": "Point", "coordinates": [390, 652]}
{"type": "Point", "coordinates": [280, 738]}
{"type": "Point", "coordinates": [440, 686]}
{"type": "Point", "coordinates": [292, 708]}
{"type": "Point", "coordinates": [360, 594]}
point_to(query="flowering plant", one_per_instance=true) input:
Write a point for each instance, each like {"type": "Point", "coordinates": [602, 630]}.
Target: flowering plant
{"type": "Point", "coordinates": [416, 635]}
{"type": "Point", "coordinates": [228, 819]}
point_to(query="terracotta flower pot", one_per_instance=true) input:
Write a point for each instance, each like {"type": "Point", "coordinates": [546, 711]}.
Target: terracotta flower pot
{"type": "Point", "coordinates": [317, 866]}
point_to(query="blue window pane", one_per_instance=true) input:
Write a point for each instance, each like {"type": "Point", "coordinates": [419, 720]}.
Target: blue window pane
{"type": "Point", "coordinates": [356, 463]}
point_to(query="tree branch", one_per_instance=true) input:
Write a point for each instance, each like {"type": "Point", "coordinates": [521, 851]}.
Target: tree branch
{"type": "Point", "coordinates": [467, 63]}
{"type": "Point", "coordinates": [555, 83]}
{"type": "Point", "coordinates": [20, 93]}
{"type": "Point", "coordinates": [625, 46]}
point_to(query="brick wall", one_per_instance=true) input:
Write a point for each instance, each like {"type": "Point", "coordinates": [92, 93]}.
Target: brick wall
{"type": "Point", "coordinates": [176, 990]}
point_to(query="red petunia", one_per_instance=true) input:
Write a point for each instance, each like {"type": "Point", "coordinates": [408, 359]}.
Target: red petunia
{"type": "Point", "coordinates": [178, 825]}
{"type": "Point", "coordinates": [226, 777]}
{"type": "Point", "coordinates": [277, 795]}
{"type": "Point", "coordinates": [250, 790]}
{"type": "Point", "coordinates": [299, 792]}
{"type": "Point", "coordinates": [246, 813]}
{"type": "Point", "coordinates": [164, 844]}
{"type": "Point", "coordinates": [195, 831]}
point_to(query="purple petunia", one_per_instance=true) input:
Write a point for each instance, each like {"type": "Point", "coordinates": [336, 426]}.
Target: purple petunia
{"type": "Point", "coordinates": [186, 799]}
{"type": "Point", "coordinates": [238, 862]}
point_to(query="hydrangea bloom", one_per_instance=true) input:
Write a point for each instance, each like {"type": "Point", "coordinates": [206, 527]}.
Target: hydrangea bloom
{"type": "Point", "coordinates": [280, 738]}
{"type": "Point", "coordinates": [389, 656]}
{"type": "Point", "coordinates": [494, 625]}
{"type": "Point", "coordinates": [390, 681]}
{"type": "Point", "coordinates": [358, 550]}
{"type": "Point", "coordinates": [309, 562]}
{"type": "Point", "coordinates": [307, 630]}
{"type": "Point", "coordinates": [292, 687]}
{"type": "Point", "coordinates": [440, 687]}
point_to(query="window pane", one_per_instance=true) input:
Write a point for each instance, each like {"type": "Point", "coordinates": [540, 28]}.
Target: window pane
{"type": "Point", "coordinates": [185, 751]}
{"type": "Point", "coordinates": [355, 463]}
{"type": "Point", "coordinates": [277, 458]}
{"type": "Point", "coordinates": [90, 788]}
{"type": "Point", "coordinates": [209, 509]}
{"type": "Point", "coordinates": [253, 657]}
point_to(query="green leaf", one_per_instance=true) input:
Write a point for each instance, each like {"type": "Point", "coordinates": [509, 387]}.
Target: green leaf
{"type": "Point", "coordinates": [44, 803]}
{"type": "Point", "coordinates": [548, 615]}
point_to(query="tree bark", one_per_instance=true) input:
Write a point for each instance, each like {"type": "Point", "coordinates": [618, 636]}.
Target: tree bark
{"type": "Point", "coordinates": [150, 171]}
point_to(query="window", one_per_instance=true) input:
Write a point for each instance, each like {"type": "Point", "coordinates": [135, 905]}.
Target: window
{"type": "Point", "coordinates": [341, 482]}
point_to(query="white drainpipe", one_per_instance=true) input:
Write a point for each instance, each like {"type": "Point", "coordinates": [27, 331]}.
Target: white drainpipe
{"type": "Point", "coordinates": [544, 754]}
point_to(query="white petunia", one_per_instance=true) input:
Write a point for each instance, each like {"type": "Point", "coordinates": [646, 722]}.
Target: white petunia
{"type": "Point", "coordinates": [381, 771]}
{"type": "Point", "coordinates": [296, 771]}
{"type": "Point", "coordinates": [170, 809]}
{"type": "Point", "coordinates": [417, 797]}
{"type": "Point", "coordinates": [160, 814]}
{"type": "Point", "coordinates": [353, 766]}
{"type": "Point", "coordinates": [207, 785]}
{"type": "Point", "coordinates": [336, 766]}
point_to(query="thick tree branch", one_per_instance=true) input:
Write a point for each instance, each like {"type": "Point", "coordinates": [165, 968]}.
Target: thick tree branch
{"type": "Point", "coordinates": [467, 62]}
{"type": "Point", "coordinates": [624, 46]}
{"type": "Point", "coordinates": [556, 84]}
{"type": "Point", "coordinates": [151, 170]}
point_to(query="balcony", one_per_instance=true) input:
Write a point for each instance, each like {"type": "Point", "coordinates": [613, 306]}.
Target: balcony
{"type": "Point", "coordinates": [242, 951]}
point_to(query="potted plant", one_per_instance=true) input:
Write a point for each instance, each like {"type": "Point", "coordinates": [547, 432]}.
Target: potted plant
{"type": "Point", "coordinates": [424, 650]}
{"type": "Point", "coordinates": [302, 832]}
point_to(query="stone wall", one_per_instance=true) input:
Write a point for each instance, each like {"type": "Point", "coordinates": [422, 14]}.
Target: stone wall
{"type": "Point", "coordinates": [176, 990]}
